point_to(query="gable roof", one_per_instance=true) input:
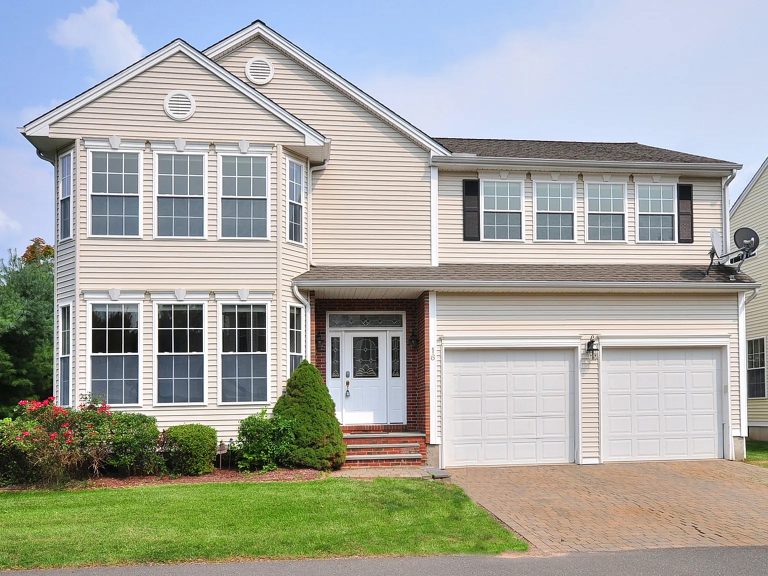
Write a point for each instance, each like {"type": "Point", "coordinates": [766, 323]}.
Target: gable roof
{"type": "Point", "coordinates": [749, 186]}
{"type": "Point", "coordinates": [259, 29]}
{"type": "Point", "coordinates": [560, 150]}
{"type": "Point", "coordinates": [40, 126]}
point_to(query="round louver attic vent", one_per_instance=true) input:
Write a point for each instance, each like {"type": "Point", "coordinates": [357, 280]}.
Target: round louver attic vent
{"type": "Point", "coordinates": [259, 71]}
{"type": "Point", "coordinates": [179, 105]}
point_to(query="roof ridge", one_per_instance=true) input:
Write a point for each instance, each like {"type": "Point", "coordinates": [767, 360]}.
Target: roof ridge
{"type": "Point", "coordinates": [539, 140]}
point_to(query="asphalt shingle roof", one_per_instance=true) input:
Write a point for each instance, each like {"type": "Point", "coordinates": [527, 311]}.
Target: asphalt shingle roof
{"type": "Point", "coordinates": [558, 150]}
{"type": "Point", "coordinates": [513, 273]}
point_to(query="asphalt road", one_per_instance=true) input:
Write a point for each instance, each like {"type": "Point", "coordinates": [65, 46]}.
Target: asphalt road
{"type": "Point", "coordinates": [673, 562]}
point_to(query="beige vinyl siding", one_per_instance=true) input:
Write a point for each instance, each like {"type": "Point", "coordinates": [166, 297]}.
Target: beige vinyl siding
{"type": "Point", "coordinates": [582, 315]}
{"type": "Point", "coordinates": [707, 211]}
{"type": "Point", "coordinates": [371, 204]}
{"type": "Point", "coordinates": [135, 110]}
{"type": "Point", "coordinates": [753, 213]}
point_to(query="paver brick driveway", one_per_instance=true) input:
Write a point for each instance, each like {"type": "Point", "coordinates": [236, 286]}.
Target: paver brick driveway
{"type": "Point", "coordinates": [626, 506]}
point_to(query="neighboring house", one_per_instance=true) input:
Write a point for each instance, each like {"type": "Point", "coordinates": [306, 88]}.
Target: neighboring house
{"type": "Point", "coordinates": [751, 210]}
{"type": "Point", "coordinates": [223, 214]}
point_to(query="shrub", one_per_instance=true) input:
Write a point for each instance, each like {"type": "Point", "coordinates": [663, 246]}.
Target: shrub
{"type": "Point", "coordinates": [189, 449]}
{"type": "Point", "coordinates": [264, 443]}
{"type": "Point", "coordinates": [308, 404]}
{"type": "Point", "coordinates": [133, 445]}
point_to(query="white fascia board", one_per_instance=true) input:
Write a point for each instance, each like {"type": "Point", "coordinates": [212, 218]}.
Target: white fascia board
{"type": "Point", "coordinates": [40, 126]}
{"type": "Point", "coordinates": [749, 187]}
{"type": "Point", "coordinates": [475, 162]}
{"type": "Point", "coordinates": [259, 29]}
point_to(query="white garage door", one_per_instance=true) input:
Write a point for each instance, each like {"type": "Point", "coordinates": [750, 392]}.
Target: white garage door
{"type": "Point", "coordinates": [661, 404]}
{"type": "Point", "coordinates": [508, 407]}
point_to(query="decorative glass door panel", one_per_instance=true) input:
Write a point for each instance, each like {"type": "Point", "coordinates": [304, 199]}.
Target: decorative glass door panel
{"type": "Point", "coordinates": [365, 356]}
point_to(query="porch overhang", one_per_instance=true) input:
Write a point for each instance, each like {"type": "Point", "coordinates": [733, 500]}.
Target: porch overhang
{"type": "Point", "coordinates": [369, 282]}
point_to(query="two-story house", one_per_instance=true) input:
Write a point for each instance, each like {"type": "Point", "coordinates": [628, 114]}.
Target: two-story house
{"type": "Point", "coordinates": [223, 214]}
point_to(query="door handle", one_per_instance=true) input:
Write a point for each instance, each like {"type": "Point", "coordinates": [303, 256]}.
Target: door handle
{"type": "Point", "coordinates": [346, 394]}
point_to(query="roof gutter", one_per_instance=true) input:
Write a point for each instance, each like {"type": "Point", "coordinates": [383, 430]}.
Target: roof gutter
{"type": "Point", "coordinates": [501, 162]}
{"type": "Point", "coordinates": [541, 284]}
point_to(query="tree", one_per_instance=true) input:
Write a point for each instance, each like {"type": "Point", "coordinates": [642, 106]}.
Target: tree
{"type": "Point", "coordinates": [307, 403]}
{"type": "Point", "coordinates": [26, 325]}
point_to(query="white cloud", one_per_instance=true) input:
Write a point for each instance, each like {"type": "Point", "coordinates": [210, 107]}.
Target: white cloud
{"type": "Point", "coordinates": [109, 41]}
{"type": "Point", "coordinates": [684, 75]}
{"type": "Point", "coordinates": [8, 224]}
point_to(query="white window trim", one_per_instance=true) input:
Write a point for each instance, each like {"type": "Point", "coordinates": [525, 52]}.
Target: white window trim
{"type": "Point", "coordinates": [89, 346]}
{"type": "Point", "coordinates": [638, 213]}
{"type": "Point", "coordinates": [522, 209]}
{"type": "Point", "coordinates": [574, 186]}
{"type": "Point", "coordinates": [765, 369]}
{"type": "Point", "coordinates": [288, 160]}
{"type": "Point", "coordinates": [220, 195]}
{"type": "Point", "coordinates": [303, 353]}
{"type": "Point", "coordinates": [71, 154]}
{"type": "Point", "coordinates": [189, 151]}
{"type": "Point", "coordinates": [156, 352]}
{"type": "Point", "coordinates": [219, 327]}
{"type": "Point", "coordinates": [66, 304]}
{"type": "Point", "coordinates": [89, 180]}
{"type": "Point", "coordinates": [587, 213]}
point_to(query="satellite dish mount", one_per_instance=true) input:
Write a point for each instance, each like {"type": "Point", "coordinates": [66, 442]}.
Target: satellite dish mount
{"type": "Point", "coordinates": [746, 241]}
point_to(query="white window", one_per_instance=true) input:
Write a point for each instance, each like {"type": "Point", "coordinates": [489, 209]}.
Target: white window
{"type": "Point", "coordinates": [244, 357]}
{"type": "Point", "coordinates": [65, 354]}
{"type": "Point", "coordinates": [502, 210]}
{"type": "Point", "coordinates": [181, 195]}
{"type": "Point", "coordinates": [656, 212]}
{"type": "Point", "coordinates": [756, 368]}
{"type": "Point", "coordinates": [115, 353]}
{"type": "Point", "coordinates": [295, 201]}
{"type": "Point", "coordinates": [605, 212]}
{"type": "Point", "coordinates": [243, 196]}
{"type": "Point", "coordinates": [295, 336]}
{"type": "Point", "coordinates": [554, 210]}
{"type": "Point", "coordinates": [114, 193]}
{"type": "Point", "coordinates": [65, 196]}
{"type": "Point", "coordinates": [180, 355]}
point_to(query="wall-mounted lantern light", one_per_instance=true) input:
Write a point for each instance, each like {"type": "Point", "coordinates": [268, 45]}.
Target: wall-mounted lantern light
{"type": "Point", "coordinates": [592, 347]}
{"type": "Point", "coordinates": [320, 339]}
{"type": "Point", "coordinates": [413, 341]}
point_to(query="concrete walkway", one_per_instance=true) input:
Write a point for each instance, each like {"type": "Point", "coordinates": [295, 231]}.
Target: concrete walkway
{"type": "Point", "coordinates": [605, 507]}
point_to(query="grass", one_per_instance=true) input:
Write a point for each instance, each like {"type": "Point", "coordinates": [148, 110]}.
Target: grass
{"type": "Point", "coordinates": [757, 453]}
{"type": "Point", "coordinates": [331, 517]}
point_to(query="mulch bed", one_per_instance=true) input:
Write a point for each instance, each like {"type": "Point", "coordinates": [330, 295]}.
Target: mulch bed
{"type": "Point", "coordinates": [224, 475]}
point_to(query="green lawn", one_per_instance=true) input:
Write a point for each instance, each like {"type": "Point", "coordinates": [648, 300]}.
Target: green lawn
{"type": "Point", "coordinates": [331, 517]}
{"type": "Point", "coordinates": [757, 453]}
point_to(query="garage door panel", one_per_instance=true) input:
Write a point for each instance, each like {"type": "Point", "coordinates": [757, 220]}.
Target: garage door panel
{"type": "Point", "coordinates": [519, 403]}
{"type": "Point", "coordinates": [665, 407]}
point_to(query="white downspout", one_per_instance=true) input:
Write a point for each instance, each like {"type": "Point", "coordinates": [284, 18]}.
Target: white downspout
{"type": "Point", "coordinates": [727, 212]}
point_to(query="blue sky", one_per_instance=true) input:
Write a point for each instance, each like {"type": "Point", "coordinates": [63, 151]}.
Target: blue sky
{"type": "Point", "coordinates": [687, 74]}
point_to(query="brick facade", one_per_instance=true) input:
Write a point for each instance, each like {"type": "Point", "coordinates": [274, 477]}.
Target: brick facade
{"type": "Point", "coordinates": [416, 357]}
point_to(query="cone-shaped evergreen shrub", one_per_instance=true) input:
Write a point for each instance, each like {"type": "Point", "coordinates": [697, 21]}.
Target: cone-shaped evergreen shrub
{"type": "Point", "coordinates": [307, 402]}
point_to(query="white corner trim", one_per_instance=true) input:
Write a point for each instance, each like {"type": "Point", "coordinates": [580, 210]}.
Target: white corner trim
{"type": "Point", "coordinates": [517, 342]}
{"type": "Point", "coordinates": [667, 341]}
{"type": "Point", "coordinates": [109, 143]}
{"type": "Point", "coordinates": [742, 311]}
{"type": "Point", "coordinates": [237, 296]}
{"type": "Point", "coordinates": [259, 29]}
{"type": "Point", "coordinates": [178, 295]}
{"type": "Point", "coordinates": [113, 295]}
{"type": "Point", "coordinates": [434, 220]}
{"type": "Point", "coordinates": [435, 438]}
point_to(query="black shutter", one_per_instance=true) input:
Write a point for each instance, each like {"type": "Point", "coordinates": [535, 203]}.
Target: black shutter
{"type": "Point", "coordinates": [685, 213]}
{"type": "Point", "coordinates": [471, 192]}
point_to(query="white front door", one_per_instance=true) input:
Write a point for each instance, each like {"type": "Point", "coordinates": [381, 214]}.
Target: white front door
{"type": "Point", "coordinates": [364, 382]}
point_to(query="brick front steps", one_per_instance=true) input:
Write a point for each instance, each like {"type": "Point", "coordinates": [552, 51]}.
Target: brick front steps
{"type": "Point", "coordinates": [370, 448]}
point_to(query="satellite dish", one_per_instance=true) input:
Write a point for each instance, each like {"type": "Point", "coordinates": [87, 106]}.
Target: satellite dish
{"type": "Point", "coordinates": [746, 239]}
{"type": "Point", "coordinates": [717, 241]}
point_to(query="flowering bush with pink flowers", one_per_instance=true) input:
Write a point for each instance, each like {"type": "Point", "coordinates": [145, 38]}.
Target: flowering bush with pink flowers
{"type": "Point", "coordinates": [48, 444]}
